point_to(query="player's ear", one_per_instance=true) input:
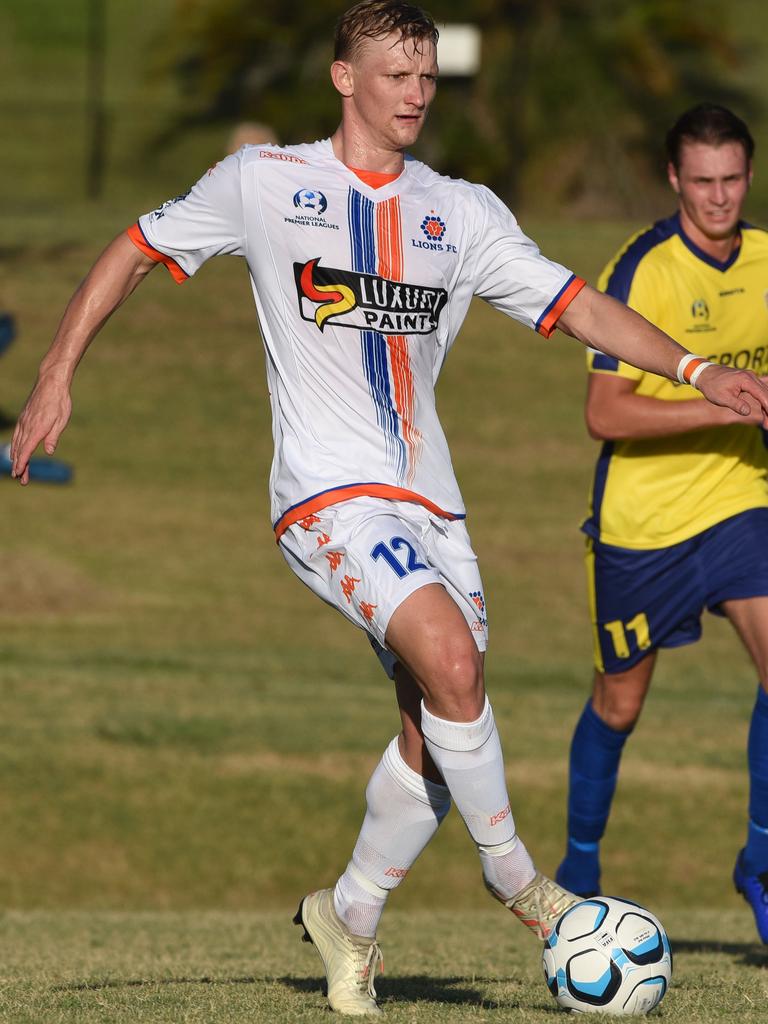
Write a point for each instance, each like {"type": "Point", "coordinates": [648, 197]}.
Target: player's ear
{"type": "Point", "coordinates": [342, 78]}
{"type": "Point", "coordinates": [672, 177]}
{"type": "Point", "coordinates": [749, 174]}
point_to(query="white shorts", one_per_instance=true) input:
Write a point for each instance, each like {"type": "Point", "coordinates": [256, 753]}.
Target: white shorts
{"type": "Point", "coordinates": [367, 555]}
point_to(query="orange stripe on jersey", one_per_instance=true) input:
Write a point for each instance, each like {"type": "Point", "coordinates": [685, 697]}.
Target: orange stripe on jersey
{"type": "Point", "coordinates": [389, 235]}
{"type": "Point", "coordinates": [549, 320]}
{"type": "Point", "coordinates": [136, 235]}
{"type": "Point", "coordinates": [688, 371]}
{"type": "Point", "coordinates": [390, 264]}
{"type": "Point", "coordinates": [338, 494]}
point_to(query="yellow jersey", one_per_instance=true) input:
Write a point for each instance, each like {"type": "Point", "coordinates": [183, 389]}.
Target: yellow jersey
{"type": "Point", "coordinates": [654, 492]}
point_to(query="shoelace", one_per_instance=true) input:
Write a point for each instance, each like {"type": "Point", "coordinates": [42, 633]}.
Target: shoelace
{"type": "Point", "coordinates": [374, 959]}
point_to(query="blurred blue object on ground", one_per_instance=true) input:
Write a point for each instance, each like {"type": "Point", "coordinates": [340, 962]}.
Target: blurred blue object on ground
{"type": "Point", "coordinates": [46, 470]}
{"type": "Point", "coordinates": [7, 331]}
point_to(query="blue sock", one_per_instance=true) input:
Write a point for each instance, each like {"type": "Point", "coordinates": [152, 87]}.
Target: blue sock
{"type": "Point", "coordinates": [594, 767]}
{"type": "Point", "coordinates": [755, 858]}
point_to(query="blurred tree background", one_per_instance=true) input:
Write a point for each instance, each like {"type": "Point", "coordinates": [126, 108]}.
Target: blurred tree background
{"type": "Point", "coordinates": [566, 115]}
{"type": "Point", "coordinates": [568, 108]}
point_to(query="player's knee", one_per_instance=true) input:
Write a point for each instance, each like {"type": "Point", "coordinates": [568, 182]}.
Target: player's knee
{"type": "Point", "coordinates": [617, 704]}
{"type": "Point", "coordinates": [622, 718]}
{"type": "Point", "coordinates": [456, 689]}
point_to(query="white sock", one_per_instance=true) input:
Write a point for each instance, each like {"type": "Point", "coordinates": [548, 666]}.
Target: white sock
{"type": "Point", "coordinates": [468, 756]}
{"type": "Point", "coordinates": [403, 813]}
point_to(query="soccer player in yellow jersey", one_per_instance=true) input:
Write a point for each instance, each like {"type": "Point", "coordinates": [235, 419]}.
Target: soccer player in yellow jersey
{"type": "Point", "coordinates": [679, 514]}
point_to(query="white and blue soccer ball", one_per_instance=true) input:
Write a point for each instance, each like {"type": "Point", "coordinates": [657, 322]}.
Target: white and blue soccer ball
{"type": "Point", "coordinates": [607, 955]}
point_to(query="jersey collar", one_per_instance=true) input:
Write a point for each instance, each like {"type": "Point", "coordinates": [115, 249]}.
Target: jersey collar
{"type": "Point", "coordinates": [721, 265]}
{"type": "Point", "coordinates": [383, 191]}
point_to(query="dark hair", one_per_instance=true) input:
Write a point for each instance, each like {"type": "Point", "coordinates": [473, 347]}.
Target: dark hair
{"type": "Point", "coordinates": [375, 19]}
{"type": "Point", "coordinates": [710, 124]}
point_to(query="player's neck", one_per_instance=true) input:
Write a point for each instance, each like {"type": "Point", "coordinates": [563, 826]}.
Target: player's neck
{"type": "Point", "coordinates": [355, 150]}
{"type": "Point", "coordinates": [719, 249]}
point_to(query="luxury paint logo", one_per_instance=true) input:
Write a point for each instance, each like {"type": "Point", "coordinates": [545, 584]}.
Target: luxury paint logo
{"type": "Point", "coordinates": [366, 301]}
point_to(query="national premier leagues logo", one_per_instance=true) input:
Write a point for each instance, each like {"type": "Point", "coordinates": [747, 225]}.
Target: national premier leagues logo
{"type": "Point", "coordinates": [347, 298]}
{"type": "Point", "coordinates": [310, 199]}
{"type": "Point", "coordinates": [309, 206]}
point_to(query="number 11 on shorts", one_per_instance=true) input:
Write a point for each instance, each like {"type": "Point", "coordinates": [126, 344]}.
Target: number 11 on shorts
{"type": "Point", "coordinates": [618, 630]}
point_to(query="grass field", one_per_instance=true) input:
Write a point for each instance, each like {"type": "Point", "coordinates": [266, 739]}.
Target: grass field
{"type": "Point", "coordinates": [186, 732]}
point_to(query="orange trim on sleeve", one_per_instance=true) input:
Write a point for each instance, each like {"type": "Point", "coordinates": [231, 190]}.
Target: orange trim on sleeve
{"type": "Point", "coordinates": [338, 494]}
{"type": "Point", "coordinates": [548, 324]}
{"type": "Point", "coordinates": [136, 235]}
{"type": "Point", "coordinates": [688, 371]}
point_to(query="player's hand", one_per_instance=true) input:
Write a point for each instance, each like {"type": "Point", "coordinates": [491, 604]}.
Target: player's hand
{"type": "Point", "coordinates": [42, 420]}
{"type": "Point", "coordinates": [739, 390]}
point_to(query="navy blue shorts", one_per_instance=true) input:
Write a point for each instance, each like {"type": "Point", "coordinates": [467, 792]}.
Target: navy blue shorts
{"type": "Point", "coordinates": [642, 600]}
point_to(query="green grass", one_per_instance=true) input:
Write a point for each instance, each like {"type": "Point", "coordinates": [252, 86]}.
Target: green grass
{"type": "Point", "coordinates": [186, 731]}
{"type": "Point", "coordinates": [229, 967]}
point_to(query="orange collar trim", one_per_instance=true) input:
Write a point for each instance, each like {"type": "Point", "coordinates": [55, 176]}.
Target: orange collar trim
{"type": "Point", "coordinates": [374, 179]}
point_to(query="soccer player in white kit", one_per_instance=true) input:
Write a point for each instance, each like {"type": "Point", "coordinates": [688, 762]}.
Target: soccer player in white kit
{"type": "Point", "coordinates": [363, 264]}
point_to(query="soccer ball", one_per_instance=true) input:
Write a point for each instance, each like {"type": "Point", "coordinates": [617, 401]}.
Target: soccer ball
{"type": "Point", "coordinates": [607, 955]}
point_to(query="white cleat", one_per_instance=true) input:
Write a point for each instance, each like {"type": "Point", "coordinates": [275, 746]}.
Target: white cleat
{"type": "Point", "coordinates": [350, 961]}
{"type": "Point", "coordinates": [539, 904]}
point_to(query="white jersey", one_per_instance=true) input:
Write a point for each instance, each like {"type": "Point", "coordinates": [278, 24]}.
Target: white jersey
{"type": "Point", "coordinates": [360, 294]}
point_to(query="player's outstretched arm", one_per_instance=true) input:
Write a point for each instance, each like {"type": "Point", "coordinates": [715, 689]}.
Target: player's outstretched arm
{"type": "Point", "coordinates": [114, 275]}
{"type": "Point", "coordinates": [604, 323]}
{"type": "Point", "coordinates": [614, 411]}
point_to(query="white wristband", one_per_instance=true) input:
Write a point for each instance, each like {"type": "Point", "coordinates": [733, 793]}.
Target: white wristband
{"type": "Point", "coordinates": [698, 372]}
{"type": "Point", "coordinates": [690, 367]}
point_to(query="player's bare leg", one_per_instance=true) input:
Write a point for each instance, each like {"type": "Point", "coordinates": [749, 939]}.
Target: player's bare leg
{"type": "Point", "coordinates": [598, 740]}
{"type": "Point", "coordinates": [412, 746]}
{"type": "Point", "coordinates": [435, 647]}
{"type": "Point", "coordinates": [750, 876]}
{"type": "Point", "coordinates": [618, 697]}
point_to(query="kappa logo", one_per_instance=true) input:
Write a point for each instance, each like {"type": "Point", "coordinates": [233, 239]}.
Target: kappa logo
{"type": "Point", "coordinates": [335, 559]}
{"type": "Point", "coordinates": [309, 521]}
{"type": "Point", "coordinates": [367, 610]}
{"type": "Point", "coordinates": [366, 301]}
{"type": "Point", "coordinates": [496, 818]}
{"type": "Point", "coordinates": [288, 158]}
{"type": "Point", "coordinates": [348, 584]}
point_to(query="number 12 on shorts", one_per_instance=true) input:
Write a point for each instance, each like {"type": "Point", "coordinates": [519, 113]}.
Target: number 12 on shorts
{"type": "Point", "coordinates": [618, 630]}
{"type": "Point", "coordinates": [412, 563]}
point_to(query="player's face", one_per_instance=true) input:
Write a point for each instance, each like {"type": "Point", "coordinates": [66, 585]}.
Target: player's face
{"type": "Point", "coordinates": [392, 84]}
{"type": "Point", "coordinates": [712, 184]}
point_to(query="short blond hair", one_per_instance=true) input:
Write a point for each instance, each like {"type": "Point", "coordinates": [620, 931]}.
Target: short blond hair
{"type": "Point", "coordinates": [376, 19]}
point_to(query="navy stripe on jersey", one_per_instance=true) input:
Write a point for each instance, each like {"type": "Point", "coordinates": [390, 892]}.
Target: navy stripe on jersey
{"type": "Point", "coordinates": [600, 361]}
{"type": "Point", "coordinates": [710, 260]}
{"type": "Point", "coordinates": [373, 344]}
{"type": "Point", "coordinates": [622, 275]}
{"type": "Point", "coordinates": [591, 526]}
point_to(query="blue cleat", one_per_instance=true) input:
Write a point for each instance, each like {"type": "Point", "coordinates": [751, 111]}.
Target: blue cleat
{"type": "Point", "coordinates": [754, 889]}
